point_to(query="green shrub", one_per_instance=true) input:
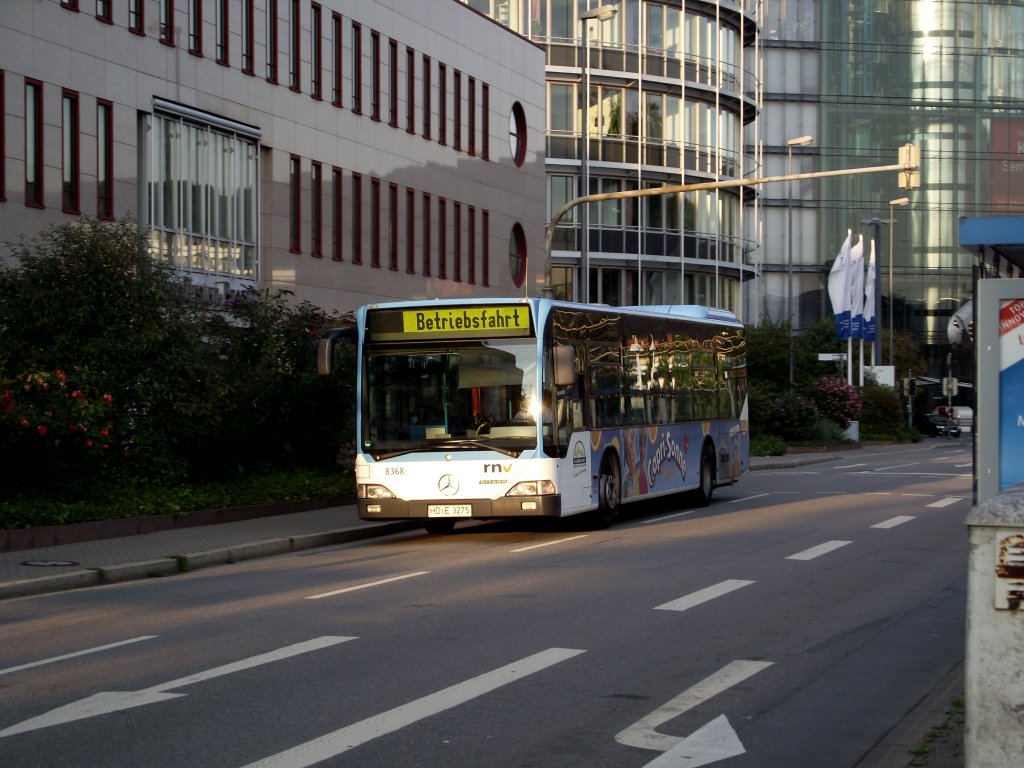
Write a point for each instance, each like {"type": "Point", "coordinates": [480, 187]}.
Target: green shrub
{"type": "Point", "coordinates": [882, 414]}
{"type": "Point", "coordinates": [767, 445]}
{"type": "Point", "coordinates": [793, 417]}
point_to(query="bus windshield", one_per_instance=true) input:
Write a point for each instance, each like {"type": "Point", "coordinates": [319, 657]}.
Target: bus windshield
{"type": "Point", "coordinates": [479, 394]}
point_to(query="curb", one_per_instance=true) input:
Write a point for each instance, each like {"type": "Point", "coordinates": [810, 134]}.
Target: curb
{"type": "Point", "coordinates": [174, 564]}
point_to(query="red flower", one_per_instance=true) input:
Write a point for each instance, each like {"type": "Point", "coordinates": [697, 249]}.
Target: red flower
{"type": "Point", "coordinates": [41, 429]}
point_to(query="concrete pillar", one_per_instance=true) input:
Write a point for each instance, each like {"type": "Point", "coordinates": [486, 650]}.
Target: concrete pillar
{"type": "Point", "coordinates": [994, 664]}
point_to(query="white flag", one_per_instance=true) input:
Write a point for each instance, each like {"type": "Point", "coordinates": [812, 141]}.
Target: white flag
{"type": "Point", "coordinates": [839, 289]}
{"type": "Point", "coordinates": [870, 330]}
{"type": "Point", "coordinates": [855, 272]}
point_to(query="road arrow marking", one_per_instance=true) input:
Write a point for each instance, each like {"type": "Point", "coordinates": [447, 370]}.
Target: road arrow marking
{"type": "Point", "coordinates": [115, 701]}
{"type": "Point", "coordinates": [333, 744]}
{"type": "Point", "coordinates": [643, 733]}
{"type": "Point", "coordinates": [67, 656]}
{"type": "Point", "coordinates": [715, 741]}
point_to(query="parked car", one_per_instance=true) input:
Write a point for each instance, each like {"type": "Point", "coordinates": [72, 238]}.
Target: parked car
{"type": "Point", "coordinates": [933, 425]}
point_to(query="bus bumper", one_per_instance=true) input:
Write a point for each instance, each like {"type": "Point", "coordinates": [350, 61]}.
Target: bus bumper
{"type": "Point", "coordinates": [508, 506]}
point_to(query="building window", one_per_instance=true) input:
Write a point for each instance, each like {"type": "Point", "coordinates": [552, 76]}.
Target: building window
{"type": "Point", "coordinates": [223, 31]}
{"type": "Point", "coordinates": [357, 68]}
{"type": "Point", "coordinates": [471, 108]}
{"type": "Point", "coordinates": [375, 233]}
{"type": "Point", "coordinates": [485, 246]}
{"type": "Point", "coordinates": [374, 75]}
{"type": "Point", "coordinates": [410, 90]}
{"type": "Point", "coordinates": [393, 83]}
{"type": "Point", "coordinates": [104, 11]}
{"type": "Point", "coordinates": [425, 213]}
{"type": "Point", "coordinates": [336, 68]}
{"type": "Point", "coordinates": [167, 22]}
{"type": "Point", "coordinates": [136, 16]}
{"type": "Point", "coordinates": [410, 230]}
{"type": "Point", "coordinates": [295, 204]}
{"type": "Point", "coordinates": [457, 242]}
{"type": "Point", "coordinates": [393, 226]}
{"type": "Point", "coordinates": [442, 103]}
{"type": "Point", "coordinates": [471, 237]}
{"type": "Point", "coordinates": [485, 122]}
{"type": "Point", "coordinates": [294, 47]}
{"type": "Point", "coordinates": [337, 198]}
{"type": "Point", "coordinates": [248, 37]}
{"type": "Point", "coordinates": [271, 41]}
{"type": "Point", "coordinates": [201, 194]}
{"type": "Point", "coordinates": [457, 111]}
{"type": "Point", "coordinates": [316, 63]}
{"type": "Point", "coordinates": [517, 254]}
{"type": "Point", "coordinates": [195, 27]}
{"type": "Point", "coordinates": [316, 180]}
{"type": "Point", "coordinates": [33, 143]}
{"type": "Point", "coordinates": [442, 238]}
{"type": "Point", "coordinates": [357, 218]}
{"type": "Point", "coordinates": [71, 5]}
{"type": "Point", "coordinates": [426, 96]}
{"type": "Point", "coordinates": [104, 159]}
{"type": "Point", "coordinates": [517, 133]}
{"type": "Point", "coordinates": [70, 153]}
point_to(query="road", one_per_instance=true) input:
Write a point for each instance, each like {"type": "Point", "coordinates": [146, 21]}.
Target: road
{"type": "Point", "coordinates": [791, 623]}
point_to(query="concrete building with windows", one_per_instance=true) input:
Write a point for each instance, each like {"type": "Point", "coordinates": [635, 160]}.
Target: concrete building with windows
{"type": "Point", "coordinates": [641, 94]}
{"type": "Point", "coordinates": [347, 152]}
{"type": "Point", "coordinates": [862, 78]}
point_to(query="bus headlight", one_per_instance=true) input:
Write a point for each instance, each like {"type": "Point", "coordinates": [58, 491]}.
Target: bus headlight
{"type": "Point", "coordinates": [532, 488]}
{"type": "Point", "coordinates": [373, 492]}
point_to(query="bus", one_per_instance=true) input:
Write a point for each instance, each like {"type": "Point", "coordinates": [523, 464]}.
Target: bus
{"type": "Point", "coordinates": [472, 409]}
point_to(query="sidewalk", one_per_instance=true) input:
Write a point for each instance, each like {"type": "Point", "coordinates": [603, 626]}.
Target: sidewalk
{"type": "Point", "coordinates": [164, 553]}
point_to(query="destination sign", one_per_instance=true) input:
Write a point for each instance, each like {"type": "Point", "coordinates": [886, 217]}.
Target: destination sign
{"type": "Point", "coordinates": [449, 322]}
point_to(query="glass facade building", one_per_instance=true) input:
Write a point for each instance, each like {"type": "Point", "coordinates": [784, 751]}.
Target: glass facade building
{"type": "Point", "coordinates": [658, 93]}
{"type": "Point", "coordinates": [863, 78]}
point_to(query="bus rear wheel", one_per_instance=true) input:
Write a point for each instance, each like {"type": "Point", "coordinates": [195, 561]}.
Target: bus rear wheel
{"type": "Point", "coordinates": [701, 495]}
{"type": "Point", "coordinates": [439, 526]}
{"type": "Point", "coordinates": [609, 492]}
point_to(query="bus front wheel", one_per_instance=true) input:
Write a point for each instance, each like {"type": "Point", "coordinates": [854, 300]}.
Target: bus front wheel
{"type": "Point", "coordinates": [439, 525]}
{"type": "Point", "coordinates": [609, 491]}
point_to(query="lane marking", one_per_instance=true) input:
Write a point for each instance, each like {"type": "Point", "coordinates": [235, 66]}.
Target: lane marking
{"type": "Point", "coordinates": [116, 701]}
{"type": "Point", "coordinates": [366, 586]}
{"type": "Point", "coordinates": [668, 517]}
{"type": "Point", "coordinates": [898, 466]}
{"type": "Point", "coordinates": [342, 740]}
{"type": "Point", "coordinates": [711, 743]}
{"type": "Point", "coordinates": [643, 733]}
{"type": "Point", "coordinates": [892, 522]}
{"type": "Point", "coordinates": [851, 466]}
{"type": "Point", "coordinates": [818, 551]}
{"type": "Point", "coordinates": [703, 595]}
{"type": "Point", "coordinates": [76, 654]}
{"type": "Point", "coordinates": [944, 502]}
{"type": "Point", "coordinates": [749, 498]}
{"type": "Point", "coordinates": [550, 543]}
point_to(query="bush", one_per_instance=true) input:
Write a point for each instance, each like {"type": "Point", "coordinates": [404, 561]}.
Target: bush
{"type": "Point", "coordinates": [835, 400]}
{"type": "Point", "coordinates": [767, 445]}
{"type": "Point", "coordinates": [882, 413]}
{"type": "Point", "coordinates": [102, 346]}
{"type": "Point", "coordinates": [793, 417]}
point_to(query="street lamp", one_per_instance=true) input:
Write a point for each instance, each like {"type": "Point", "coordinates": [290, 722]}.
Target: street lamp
{"type": "Point", "coordinates": [892, 204]}
{"type": "Point", "coordinates": [601, 13]}
{"type": "Point", "coordinates": [799, 141]}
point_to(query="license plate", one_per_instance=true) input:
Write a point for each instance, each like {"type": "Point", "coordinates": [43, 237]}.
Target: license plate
{"type": "Point", "coordinates": [449, 510]}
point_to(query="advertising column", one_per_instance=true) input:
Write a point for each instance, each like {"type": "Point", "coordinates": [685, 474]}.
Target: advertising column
{"type": "Point", "coordinates": [1011, 387]}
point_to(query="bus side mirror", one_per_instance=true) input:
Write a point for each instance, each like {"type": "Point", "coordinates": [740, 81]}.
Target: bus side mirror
{"type": "Point", "coordinates": [325, 347]}
{"type": "Point", "coordinates": [565, 368]}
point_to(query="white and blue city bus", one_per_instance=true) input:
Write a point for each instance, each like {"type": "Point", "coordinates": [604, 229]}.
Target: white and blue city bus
{"type": "Point", "coordinates": [498, 408]}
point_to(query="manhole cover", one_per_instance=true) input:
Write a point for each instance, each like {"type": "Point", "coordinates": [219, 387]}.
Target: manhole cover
{"type": "Point", "coordinates": [48, 563]}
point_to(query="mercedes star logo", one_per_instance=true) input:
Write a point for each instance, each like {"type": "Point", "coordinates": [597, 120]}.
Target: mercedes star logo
{"type": "Point", "coordinates": [448, 485]}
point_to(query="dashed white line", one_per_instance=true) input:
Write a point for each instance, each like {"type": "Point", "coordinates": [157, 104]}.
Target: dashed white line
{"type": "Point", "coordinates": [749, 498]}
{"type": "Point", "coordinates": [703, 595]}
{"type": "Point", "coordinates": [366, 586]}
{"type": "Point", "coordinates": [818, 551]}
{"type": "Point", "coordinates": [851, 466]}
{"type": "Point", "coordinates": [550, 543]}
{"type": "Point", "coordinates": [66, 656]}
{"type": "Point", "coordinates": [892, 522]}
{"type": "Point", "coordinates": [944, 502]}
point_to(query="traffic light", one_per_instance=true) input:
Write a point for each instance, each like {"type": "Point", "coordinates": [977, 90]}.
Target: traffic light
{"type": "Point", "coordinates": [910, 155]}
